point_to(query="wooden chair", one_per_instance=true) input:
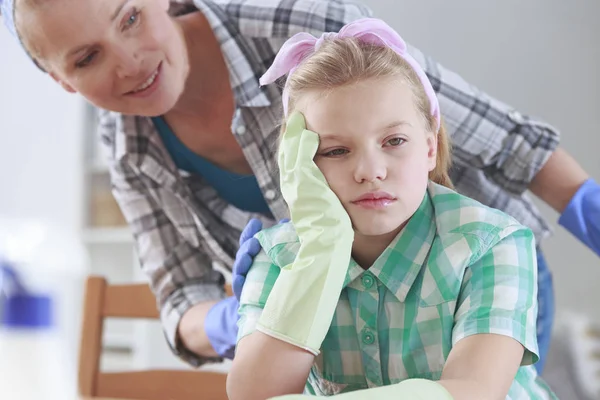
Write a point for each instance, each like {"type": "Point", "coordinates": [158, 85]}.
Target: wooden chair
{"type": "Point", "coordinates": [133, 301]}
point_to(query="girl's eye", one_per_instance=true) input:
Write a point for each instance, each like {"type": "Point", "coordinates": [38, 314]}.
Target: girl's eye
{"type": "Point", "coordinates": [395, 141]}
{"type": "Point", "coordinates": [335, 153]}
{"type": "Point", "coordinates": [86, 61]}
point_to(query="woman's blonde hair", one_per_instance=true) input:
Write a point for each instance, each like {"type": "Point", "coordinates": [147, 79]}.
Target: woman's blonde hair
{"type": "Point", "coordinates": [340, 62]}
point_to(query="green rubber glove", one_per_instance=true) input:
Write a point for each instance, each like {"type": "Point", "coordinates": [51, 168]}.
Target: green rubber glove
{"type": "Point", "coordinates": [302, 303]}
{"type": "Point", "coordinates": [410, 389]}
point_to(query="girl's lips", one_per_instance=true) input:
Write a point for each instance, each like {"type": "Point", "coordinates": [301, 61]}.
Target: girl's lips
{"type": "Point", "coordinates": [374, 204]}
{"type": "Point", "coordinates": [375, 195]}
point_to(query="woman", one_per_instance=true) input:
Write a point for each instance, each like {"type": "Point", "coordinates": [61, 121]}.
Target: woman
{"type": "Point", "coordinates": [190, 135]}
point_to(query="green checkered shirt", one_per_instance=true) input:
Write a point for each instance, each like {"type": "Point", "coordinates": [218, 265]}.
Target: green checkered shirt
{"type": "Point", "coordinates": [458, 268]}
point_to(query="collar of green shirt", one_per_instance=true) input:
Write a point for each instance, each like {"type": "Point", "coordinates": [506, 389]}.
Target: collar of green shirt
{"type": "Point", "coordinates": [402, 261]}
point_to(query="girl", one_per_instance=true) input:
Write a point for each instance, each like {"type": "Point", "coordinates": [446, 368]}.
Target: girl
{"type": "Point", "coordinates": [387, 283]}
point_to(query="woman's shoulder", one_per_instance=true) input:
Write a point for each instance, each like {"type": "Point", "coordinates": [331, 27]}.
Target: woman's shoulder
{"type": "Point", "coordinates": [277, 19]}
{"type": "Point", "coordinates": [280, 242]}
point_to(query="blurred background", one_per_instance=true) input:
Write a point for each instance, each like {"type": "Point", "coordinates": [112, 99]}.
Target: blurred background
{"type": "Point", "coordinates": [542, 57]}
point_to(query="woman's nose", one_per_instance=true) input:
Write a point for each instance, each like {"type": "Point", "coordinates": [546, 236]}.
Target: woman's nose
{"type": "Point", "coordinates": [128, 63]}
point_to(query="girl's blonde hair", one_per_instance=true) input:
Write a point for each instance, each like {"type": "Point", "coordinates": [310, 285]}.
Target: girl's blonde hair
{"type": "Point", "coordinates": [340, 62]}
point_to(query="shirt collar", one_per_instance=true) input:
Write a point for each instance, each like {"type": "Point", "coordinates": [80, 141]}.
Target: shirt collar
{"type": "Point", "coordinates": [400, 263]}
{"type": "Point", "coordinates": [244, 67]}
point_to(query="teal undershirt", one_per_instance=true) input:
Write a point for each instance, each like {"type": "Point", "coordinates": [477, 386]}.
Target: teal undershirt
{"type": "Point", "coordinates": [242, 191]}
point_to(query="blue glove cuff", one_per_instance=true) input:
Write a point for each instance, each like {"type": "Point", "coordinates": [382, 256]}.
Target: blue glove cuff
{"type": "Point", "coordinates": [221, 327]}
{"type": "Point", "coordinates": [582, 214]}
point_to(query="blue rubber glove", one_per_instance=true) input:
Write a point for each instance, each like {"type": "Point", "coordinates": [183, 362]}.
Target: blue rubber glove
{"type": "Point", "coordinates": [582, 215]}
{"type": "Point", "coordinates": [221, 326]}
{"type": "Point", "coordinates": [221, 320]}
{"type": "Point", "coordinates": [249, 248]}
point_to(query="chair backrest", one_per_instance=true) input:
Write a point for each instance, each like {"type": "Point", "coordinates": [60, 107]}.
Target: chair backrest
{"type": "Point", "coordinates": [133, 301]}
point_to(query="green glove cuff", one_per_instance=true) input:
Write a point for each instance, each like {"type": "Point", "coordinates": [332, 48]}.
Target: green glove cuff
{"type": "Point", "coordinates": [302, 303]}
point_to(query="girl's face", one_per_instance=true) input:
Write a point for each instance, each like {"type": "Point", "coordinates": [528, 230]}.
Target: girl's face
{"type": "Point", "coordinates": [122, 55]}
{"type": "Point", "coordinates": [375, 151]}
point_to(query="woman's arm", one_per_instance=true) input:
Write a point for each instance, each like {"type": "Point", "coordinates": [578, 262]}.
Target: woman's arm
{"type": "Point", "coordinates": [509, 148]}
{"type": "Point", "coordinates": [191, 332]}
{"type": "Point", "coordinates": [563, 184]}
{"type": "Point", "coordinates": [558, 180]}
{"type": "Point", "coordinates": [180, 273]}
{"type": "Point", "coordinates": [184, 294]}
{"type": "Point", "coordinates": [265, 367]}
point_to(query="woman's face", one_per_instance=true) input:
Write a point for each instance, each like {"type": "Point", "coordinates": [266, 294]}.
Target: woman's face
{"type": "Point", "coordinates": [127, 56]}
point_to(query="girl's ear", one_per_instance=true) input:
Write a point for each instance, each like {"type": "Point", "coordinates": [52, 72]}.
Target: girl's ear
{"type": "Point", "coordinates": [432, 148]}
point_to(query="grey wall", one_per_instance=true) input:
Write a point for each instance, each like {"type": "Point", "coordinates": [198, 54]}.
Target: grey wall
{"type": "Point", "coordinates": [41, 142]}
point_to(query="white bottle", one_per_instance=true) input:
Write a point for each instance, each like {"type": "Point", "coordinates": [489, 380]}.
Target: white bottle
{"type": "Point", "coordinates": [31, 362]}
{"type": "Point", "coordinates": [43, 260]}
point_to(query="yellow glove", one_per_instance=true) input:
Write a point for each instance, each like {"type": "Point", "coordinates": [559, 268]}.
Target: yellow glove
{"type": "Point", "coordinates": [302, 302]}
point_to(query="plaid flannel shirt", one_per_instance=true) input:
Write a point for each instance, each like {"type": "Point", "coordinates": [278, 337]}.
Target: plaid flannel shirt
{"type": "Point", "coordinates": [182, 227]}
{"type": "Point", "coordinates": [457, 269]}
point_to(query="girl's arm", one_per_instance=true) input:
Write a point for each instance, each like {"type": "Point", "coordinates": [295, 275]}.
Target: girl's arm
{"type": "Point", "coordinates": [482, 367]}
{"type": "Point", "coordinates": [265, 367]}
{"type": "Point", "coordinates": [479, 367]}
{"type": "Point", "coordinates": [295, 299]}
{"type": "Point", "coordinates": [495, 321]}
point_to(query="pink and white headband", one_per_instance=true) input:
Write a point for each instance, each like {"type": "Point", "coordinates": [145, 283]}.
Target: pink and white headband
{"type": "Point", "coordinates": [367, 30]}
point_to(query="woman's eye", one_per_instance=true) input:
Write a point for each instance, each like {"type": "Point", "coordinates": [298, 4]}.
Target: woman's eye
{"type": "Point", "coordinates": [395, 142]}
{"type": "Point", "coordinates": [335, 153]}
{"type": "Point", "coordinates": [132, 18]}
{"type": "Point", "coordinates": [86, 61]}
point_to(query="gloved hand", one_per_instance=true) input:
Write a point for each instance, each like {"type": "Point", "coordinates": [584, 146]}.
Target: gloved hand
{"type": "Point", "coordinates": [410, 389]}
{"type": "Point", "coordinates": [301, 305]}
{"type": "Point", "coordinates": [221, 328]}
{"type": "Point", "coordinates": [582, 215]}
{"type": "Point", "coordinates": [221, 320]}
{"type": "Point", "coordinates": [249, 248]}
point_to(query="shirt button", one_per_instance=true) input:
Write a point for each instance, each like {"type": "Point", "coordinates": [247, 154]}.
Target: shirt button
{"type": "Point", "coordinates": [270, 194]}
{"type": "Point", "coordinates": [240, 130]}
{"type": "Point", "coordinates": [367, 280]}
{"type": "Point", "coordinates": [368, 337]}
{"type": "Point", "coordinates": [516, 117]}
